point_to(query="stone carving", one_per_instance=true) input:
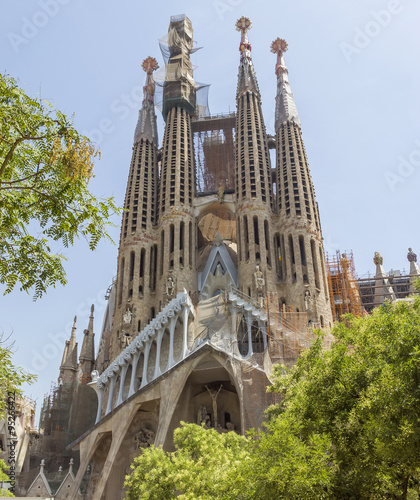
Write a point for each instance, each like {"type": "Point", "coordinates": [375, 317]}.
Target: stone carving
{"type": "Point", "coordinates": [125, 339]}
{"type": "Point", "coordinates": [127, 317]}
{"type": "Point", "coordinates": [411, 256]}
{"type": "Point", "coordinates": [172, 309]}
{"type": "Point", "coordinates": [170, 286]}
{"type": "Point", "coordinates": [221, 193]}
{"type": "Point", "coordinates": [213, 393]}
{"type": "Point", "coordinates": [95, 375]}
{"type": "Point", "coordinates": [308, 301]}
{"type": "Point", "coordinates": [377, 259]}
{"type": "Point", "coordinates": [203, 417]}
{"type": "Point", "coordinates": [144, 438]}
{"type": "Point", "coordinates": [259, 279]}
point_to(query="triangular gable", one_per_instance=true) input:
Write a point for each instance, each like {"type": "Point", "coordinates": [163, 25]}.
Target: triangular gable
{"type": "Point", "coordinates": [39, 487]}
{"type": "Point", "coordinates": [62, 492]}
{"type": "Point", "coordinates": [218, 255]}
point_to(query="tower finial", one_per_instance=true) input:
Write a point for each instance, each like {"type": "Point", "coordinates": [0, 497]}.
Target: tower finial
{"type": "Point", "coordinates": [285, 103]}
{"type": "Point", "coordinates": [146, 125]}
{"type": "Point", "coordinates": [243, 24]}
{"type": "Point", "coordinates": [149, 65]}
{"type": "Point", "coordinates": [279, 46]}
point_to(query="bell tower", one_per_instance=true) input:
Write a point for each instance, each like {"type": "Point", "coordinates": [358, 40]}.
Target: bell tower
{"type": "Point", "coordinates": [176, 266]}
{"type": "Point", "coordinates": [298, 244]}
{"type": "Point", "coordinates": [254, 193]}
{"type": "Point", "coordinates": [136, 269]}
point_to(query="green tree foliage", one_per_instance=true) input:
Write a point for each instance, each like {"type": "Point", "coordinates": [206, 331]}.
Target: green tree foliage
{"type": "Point", "coordinates": [364, 394]}
{"type": "Point", "coordinates": [4, 477]}
{"type": "Point", "coordinates": [45, 167]}
{"type": "Point", "coordinates": [11, 377]}
{"type": "Point", "coordinates": [207, 466]}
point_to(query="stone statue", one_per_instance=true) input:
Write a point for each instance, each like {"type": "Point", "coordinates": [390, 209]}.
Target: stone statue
{"type": "Point", "coordinates": [127, 317]}
{"type": "Point", "coordinates": [214, 395]}
{"type": "Point", "coordinates": [259, 279]}
{"type": "Point", "coordinates": [345, 263]}
{"type": "Point", "coordinates": [170, 286]}
{"type": "Point", "coordinates": [377, 259]}
{"type": "Point", "coordinates": [144, 438]}
{"type": "Point", "coordinates": [203, 417]}
{"type": "Point", "coordinates": [94, 375]}
{"type": "Point", "coordinates": [125, 339]}
{"type": "Point", "coordinates": [221, 193]}
{"type": "Point", "coordinates": [411, 256]}
{"type": "Point", "coordinates": [308, 301]}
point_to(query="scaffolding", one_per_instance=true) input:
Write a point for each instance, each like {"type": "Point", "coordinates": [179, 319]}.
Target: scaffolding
{"type": "Point", "coordinates": [214, 138]}
{"type": "Point", "coordinates": [290, 332]}
{"type": "Point", "coordinates": [400, 282]}
{"type": "Point", "coordinates": [344, 292]}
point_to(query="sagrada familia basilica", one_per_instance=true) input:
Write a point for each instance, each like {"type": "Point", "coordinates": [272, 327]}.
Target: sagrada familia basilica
{"type": "Point", "coordinates": [221, 273]}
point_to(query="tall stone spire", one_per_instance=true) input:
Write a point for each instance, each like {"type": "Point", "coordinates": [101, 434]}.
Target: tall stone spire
{"type": "Point", "coordinates": [68, 366]}
{"type": "Point", "coordinates": [71, 360]}
{"type": "Point", "coordinates": [87, 353]}
{"type": "Point", "coordinates": [146, 125]}
{"type": "Point", "coordinates": [286, 110]}
{"type": "Point", "coordinates": [298, 244]}
{"type": "Point", "coordinates": [176, 266]}
{"type": "Point", "coordinates": [254, 195]}
{"type": "Point", "coordinates": [247, 78]}
{"type": "Point", "coordinates": [135, 279]}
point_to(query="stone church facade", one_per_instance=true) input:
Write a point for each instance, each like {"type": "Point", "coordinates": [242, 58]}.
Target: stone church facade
{"type": "Point", "coordinates": [220, 272]}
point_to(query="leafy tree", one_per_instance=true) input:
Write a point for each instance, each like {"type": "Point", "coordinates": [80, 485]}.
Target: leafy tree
{"type": "Point", "coordinates": [45, 168]}
{"type": "Point", "coordinates": [207, 465]}
{"type": "Point", "coordinates": [11, 377]}
{"type": "Point", "coordinates": [4, 477]}
{"type": "Point", "coordinates": [364, 394]}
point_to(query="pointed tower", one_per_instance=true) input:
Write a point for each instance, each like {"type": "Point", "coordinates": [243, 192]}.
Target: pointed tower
{"type": "Point", "coordinates": [136, 274]}
{"type": "Point", "coordinates": [254, 195]}
{"type": "Point", "coordinates": [68, 368]}
{"type": "Point", "coordinates": [176, 266]}
{"type": "Point", "coordinates": [414, 269]}
{"type": "Point", "coordinates": [383, 288]}
{"type": "Point", "coordinates": [87, 353]}
{"type": "Point", "coordinates": [298, 244]}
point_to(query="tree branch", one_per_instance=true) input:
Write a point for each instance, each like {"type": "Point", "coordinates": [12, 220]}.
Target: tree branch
{"type": "Point", "coordinates": [15, 145]}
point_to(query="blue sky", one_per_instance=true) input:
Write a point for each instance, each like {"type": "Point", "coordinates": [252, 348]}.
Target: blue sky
{"type": "Point", "coordinates": [355, 75]}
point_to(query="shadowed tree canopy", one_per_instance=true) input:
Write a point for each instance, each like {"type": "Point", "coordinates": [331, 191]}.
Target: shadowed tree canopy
{"type": "Point", "coordinates": [45, 168]}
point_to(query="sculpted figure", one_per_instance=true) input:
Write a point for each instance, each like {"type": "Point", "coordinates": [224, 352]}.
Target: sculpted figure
{"type": "Point", "coordinates": [128, 315]}
{"type": "Point", "coordinates": [259, 279]}
{"type": "Point", "coordinates": [170, 286]}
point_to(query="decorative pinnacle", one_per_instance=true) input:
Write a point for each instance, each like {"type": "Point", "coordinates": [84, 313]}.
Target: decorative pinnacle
{"type": "Point", "coordinates": [149, 65]}
{"type": "Point", "coordinates": [243, 24]}
{"type": "Point", "coordinates": [377, 259]}
{"type": "Point", "coordinates": [279, 45]}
